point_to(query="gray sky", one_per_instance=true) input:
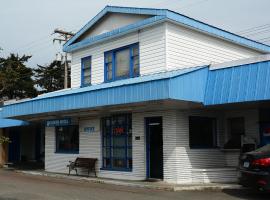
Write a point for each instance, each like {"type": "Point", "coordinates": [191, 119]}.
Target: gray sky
{"type": "Point", "coordinates": [26, 25]}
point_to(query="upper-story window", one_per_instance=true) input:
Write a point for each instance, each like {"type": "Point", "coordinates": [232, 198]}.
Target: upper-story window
{"type": "Point", "coordinates": [122, 63]}
{"type": "Point", "coordinates": [86, 71]}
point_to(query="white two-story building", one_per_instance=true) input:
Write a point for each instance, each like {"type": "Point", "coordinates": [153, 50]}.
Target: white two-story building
{"type": "Point", "coordinates": [154, 95]}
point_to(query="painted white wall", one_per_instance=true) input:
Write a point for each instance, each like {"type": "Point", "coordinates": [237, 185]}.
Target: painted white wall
{"type": "Point", "coordinates": [112, 21]}
{"type": "Point", "coordinates": [165, 46]}
{"type": "Point", "coordinates": [182, 165]}
{"type": "Point", "coordinates": [207, 165]}
{"type": "Point", "coordinates": [187, 48]}
{"type": "Point", "coordinates": [152, 57]}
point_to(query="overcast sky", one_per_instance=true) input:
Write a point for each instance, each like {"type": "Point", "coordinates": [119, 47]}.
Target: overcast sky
{"type": "Point", "coordinates": [26, 25]}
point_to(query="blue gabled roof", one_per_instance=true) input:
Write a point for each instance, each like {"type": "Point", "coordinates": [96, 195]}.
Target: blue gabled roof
{"type": "Point", "coordinates": [158, 15]}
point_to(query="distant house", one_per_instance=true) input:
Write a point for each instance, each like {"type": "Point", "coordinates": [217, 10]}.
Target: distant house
{"type": "Point", "coordinates": [154, 95]}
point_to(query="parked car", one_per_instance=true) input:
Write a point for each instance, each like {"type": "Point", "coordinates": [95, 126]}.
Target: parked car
{"type": "Point", "coordinates": [254, 169]}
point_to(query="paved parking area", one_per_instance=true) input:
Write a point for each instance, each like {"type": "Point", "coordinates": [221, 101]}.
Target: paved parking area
{"type": "Point", "coordinates": [16, 186]}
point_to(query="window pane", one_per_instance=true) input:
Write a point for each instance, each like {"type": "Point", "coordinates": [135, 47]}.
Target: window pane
{"type": "Point", "coordinates": [236, 128]}
{"type": "Point", "coordinates": [87, 63]}
{"type": "Point", "coordinates": [67, 139]}
{"type": "Point", "coordinates": [119, 141]}
{"type": "Point", "coordinates": [106, 162]}
{"type": "Point", "coordinates": [202, 132]}
{"type": "Point", "coordinates": [135, 50]}
{"type": "Point", "coordinates": [122, 63]}
{"type": "Point", "coordinates": [87, 80]}
{"type": "Point", "coordinates": [109, 71]}
{"type": "Point", "coordinates": [106, 152]}
{"type": "Point", "coordinates": [129, 155]}
{"type": "Point", "coordinates": [108, 57]}
{"type": "Point", "coordinates": [136, 66]}
{"type": "Point", "coordinates": [106, 141]}
{"type": "Point", "coordinates": [119, 153]}
{"type": "Point", "coordinates": [129, 140]}
{"type": "Point", "coordinates": [119, 163]}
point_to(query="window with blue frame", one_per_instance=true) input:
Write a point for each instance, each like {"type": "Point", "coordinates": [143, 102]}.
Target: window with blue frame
{"type": "Point", "coordinates": [86, 71]}
{"type": "Point", "coordinates": [117, 142]}
{"type": "Point", "coordinates": [122, 63]}
{"type": "Point", "coordinates": [67, 139]}
{"type": "Point", "coordinates": [202, 132]}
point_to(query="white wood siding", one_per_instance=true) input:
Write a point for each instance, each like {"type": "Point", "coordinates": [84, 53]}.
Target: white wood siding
{"type": "Point", "coordinates": [186, 48]}
{"type": "Point", "coordinates": [152, 57]}
{"type": "Point", "coordinates": [208, 165]}
{"type": "Point", "coordinates": [182, 165]}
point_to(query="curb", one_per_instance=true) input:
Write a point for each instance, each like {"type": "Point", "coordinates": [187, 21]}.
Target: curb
{"type": "Point", "coordinates": [175, 188]}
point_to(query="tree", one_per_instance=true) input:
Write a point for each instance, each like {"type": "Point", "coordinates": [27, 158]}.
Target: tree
{"type": "Point", "coordinates": [16, 78]}
{"type": "Point", "coordinates": [51, 77]}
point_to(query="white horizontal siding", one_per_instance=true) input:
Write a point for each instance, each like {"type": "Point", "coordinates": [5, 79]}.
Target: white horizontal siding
{"type": "Point", "coordinates": [186, 48]}
{"type": "Point", "coordinates": [209, 165]}
{"type": "Point", "coordinates": [152, 57]}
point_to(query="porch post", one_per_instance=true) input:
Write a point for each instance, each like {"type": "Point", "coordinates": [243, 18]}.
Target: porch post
{"type": "Point", "coordinates": [3, 151]}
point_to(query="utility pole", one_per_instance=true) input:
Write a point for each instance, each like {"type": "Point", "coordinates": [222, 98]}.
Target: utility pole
{"type": "Point", "coordinates": [63, 36]}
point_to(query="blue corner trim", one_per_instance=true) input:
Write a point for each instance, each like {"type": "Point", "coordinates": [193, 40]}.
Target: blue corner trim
{"type": "Point", "coordinates": [159, 15]}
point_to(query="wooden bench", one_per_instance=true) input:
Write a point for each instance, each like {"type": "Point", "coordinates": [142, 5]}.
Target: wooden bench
{"type": "Point", "coordinates": [86, 163]}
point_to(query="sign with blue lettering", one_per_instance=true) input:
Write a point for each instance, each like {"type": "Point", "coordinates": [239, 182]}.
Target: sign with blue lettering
{"type": "Point", "coordinates": [89, 129]}
{"type": "Point", "coordinates": [58, 122]}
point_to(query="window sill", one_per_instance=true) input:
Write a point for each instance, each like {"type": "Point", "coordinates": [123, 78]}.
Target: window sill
{"type": "Point", "coordinates": [230, 150]}
{"type": "Point", "coordinates": [204, 148]}
{"type": "Point", "coordinates": [119, 170]}
{"type": "Point", "coordinates": [66, 152]}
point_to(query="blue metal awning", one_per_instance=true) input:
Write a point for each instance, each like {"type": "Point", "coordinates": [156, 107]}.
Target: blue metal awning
{"type": "Point", "coordinates": [185, 84]}
{"type": "Point", "coordinates": [5, 123]}
{"type": "Point", "coordinates": [243, 83]}
{"type": "Point", "coordinates": [236, 84]}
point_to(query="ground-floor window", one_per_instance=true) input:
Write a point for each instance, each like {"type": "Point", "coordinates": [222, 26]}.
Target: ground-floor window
{"type": "Point", "coordinates": [236, 129]}
{"type": "Point", "coordinates": [202, 132]}
{"type": "Point", "coordinates": [117, 142]}
{"type": "Point", "coordinates": [67, 139]}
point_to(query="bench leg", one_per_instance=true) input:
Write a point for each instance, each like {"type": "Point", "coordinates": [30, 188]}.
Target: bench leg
{"type": "Point", "coordinates": [76, 171]}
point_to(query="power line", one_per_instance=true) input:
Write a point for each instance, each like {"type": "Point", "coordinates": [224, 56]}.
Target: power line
{"type": "Point", "coordinates": [252, 29]}
{"type": "Point", "coordinates": [257, 33]}
{"type": "Point", "coordinates": [192, 4]}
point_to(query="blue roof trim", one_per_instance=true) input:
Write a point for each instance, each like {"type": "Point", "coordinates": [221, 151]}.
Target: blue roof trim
{"type": "Point", "coordinates": [166, 15]}
{"type": "Point", "coordinates": [114, 9]}
{"type": "Point", "coordinates": [5, 123]}
{"type": "Point", "coordinates": [163, 86]}
{"type": "Point", "coordinates": [117, 32]}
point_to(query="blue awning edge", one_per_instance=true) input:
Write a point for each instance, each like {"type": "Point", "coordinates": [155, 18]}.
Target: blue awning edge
{"type": "Point", "coordinates": [6, 123]}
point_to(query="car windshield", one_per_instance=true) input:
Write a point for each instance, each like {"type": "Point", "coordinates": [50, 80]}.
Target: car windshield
{"type": "Point", "coordinates": [263, 149]}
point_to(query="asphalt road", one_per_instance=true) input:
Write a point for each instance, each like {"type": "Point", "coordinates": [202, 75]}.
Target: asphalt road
{"type": "Point", "coordinates": [15, 186]}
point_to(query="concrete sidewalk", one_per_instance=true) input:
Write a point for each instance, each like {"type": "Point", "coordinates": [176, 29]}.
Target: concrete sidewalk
{"type": "Point", "coordinates": [140, 184]}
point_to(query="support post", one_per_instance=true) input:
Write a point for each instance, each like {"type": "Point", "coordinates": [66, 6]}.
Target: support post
{"type": "Point", "coordinates": [3, 150]}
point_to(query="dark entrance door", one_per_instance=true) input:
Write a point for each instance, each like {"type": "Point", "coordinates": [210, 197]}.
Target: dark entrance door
{"type": "Point", "coordinates": [154, 147]}
{"type": "Point", "coordinates": [14, 148]}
